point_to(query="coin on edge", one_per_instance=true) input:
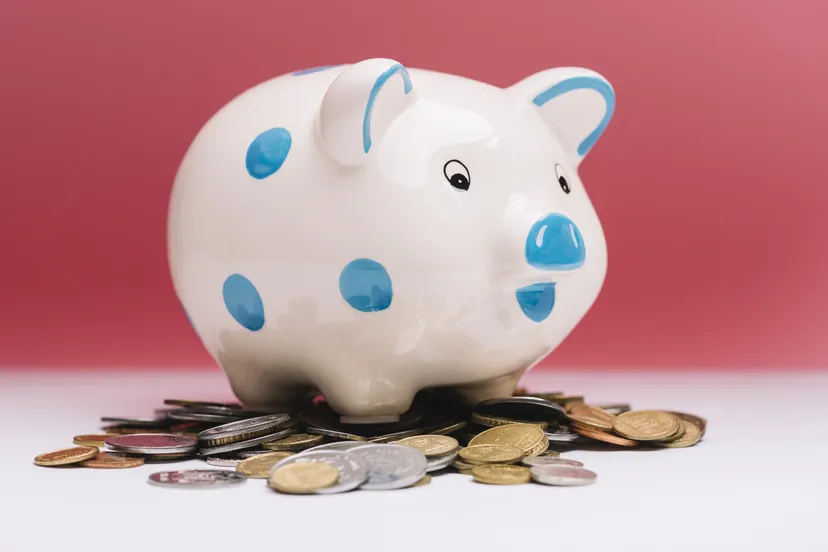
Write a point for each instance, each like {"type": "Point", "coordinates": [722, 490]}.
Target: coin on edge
{"type": "Point", "coordinates": [646, 425]}
{"type": "Point", "coordinates": [431, 445]}
{"type": "Point", "coordinates": [112, 461]}
{"type": "Point", "coordinates": [258, 467]}
{"type": "Point", "coordinates": [66, 456]}
{"type": "Point", "coordinates": [96, 440]}
{"type": "Point", "coordinates": [590, 416]}
{"type": "Point", "coordinates": [294, 442]}
{"type": "Point", "coordinates": [501, 474]}
{"type": "Point", "coordinates": [604, 436]}
{"type": "Point", "coordinates": [528, 438]}
{"type": "Point", "coordinates": [563, 476]}
{"type": "Point", "coordinates": [303, 478]}
{"type": "Point", "coordinates": [490, 454]}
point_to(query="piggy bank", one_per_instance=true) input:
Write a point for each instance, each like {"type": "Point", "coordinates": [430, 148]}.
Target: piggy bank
{"type": "Point", "coordinates": [371, 230]}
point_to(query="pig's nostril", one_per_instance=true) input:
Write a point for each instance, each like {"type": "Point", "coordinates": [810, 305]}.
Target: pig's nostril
{"type": "Point", "coordinates": [555, 243]}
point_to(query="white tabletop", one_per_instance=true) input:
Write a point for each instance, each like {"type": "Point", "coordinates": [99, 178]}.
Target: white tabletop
{"type": "Point", "coordinates": [757, 482]}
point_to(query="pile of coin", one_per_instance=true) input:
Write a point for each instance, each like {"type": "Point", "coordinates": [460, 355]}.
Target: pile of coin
{"type": "Point", "coordinates": [308, 449]}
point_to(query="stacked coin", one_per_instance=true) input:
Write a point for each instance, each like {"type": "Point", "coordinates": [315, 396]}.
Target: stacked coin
{"type": "Point", "coordinates": [308, 449]}
{"type": "Point", "coordinates": [634, 428]}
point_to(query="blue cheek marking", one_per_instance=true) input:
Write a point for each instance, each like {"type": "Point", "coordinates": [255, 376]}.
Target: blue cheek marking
{"type": "Point", "coordinates": [243, 302]}
{"type": "Point", "coordinates": [313, 70]}
{"type": "Point", "coordinates": [555, 243]}
{"type": "Point", "coordinates": [268, 152]}
{"type": "Point", "coordinates": [366, 286]}
{"type": "Point", "coordinates": [536, 301]}
{"type": "Point", "coordinates": [381, 80]}
{"type": "Point", "coordinates": [581, 83]}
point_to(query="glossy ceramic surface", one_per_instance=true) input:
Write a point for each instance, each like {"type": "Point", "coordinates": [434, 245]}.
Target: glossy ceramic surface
{"type": "Point", "coordinates": [371, 230]}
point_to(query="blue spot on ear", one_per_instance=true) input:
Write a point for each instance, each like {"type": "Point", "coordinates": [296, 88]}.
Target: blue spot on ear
{"type": "Point", "coordinates": [381, 80]}
{"type": "Point", "coordinates": [580, 83]}
{"type": "Point", "coordinates": [366, 286]}
{"type": "Point", "coordinates": [268, 152]}
{"type": "Point", "coordinates": [243, 302]}
{"type": "Point", "coordinates": [313, 70]}
{"type": "Point", "coordinates": [536, 301]}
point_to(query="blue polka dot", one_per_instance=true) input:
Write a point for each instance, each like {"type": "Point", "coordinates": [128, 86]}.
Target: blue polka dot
{"type": "Point", "coordinates": [365, 285]}
{"type": "Point", "coordinates": [243, 302]}
{"type": "Point", "coordinates": [313, 70]}
{"type": "Point", "coordinates": [268, 152]}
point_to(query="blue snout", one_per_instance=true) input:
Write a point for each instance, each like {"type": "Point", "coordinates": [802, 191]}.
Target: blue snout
{"type": "Point", "coordinates": [555, 243]}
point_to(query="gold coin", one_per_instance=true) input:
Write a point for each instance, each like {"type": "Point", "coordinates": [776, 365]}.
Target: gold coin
{"type": "Point", "coordinates": [541, 448]}
{"type": "Point", "coordinates": [699, 422]}
{"type": "Point", "coordinates": [113, 461]}
{"type": "Point", "coordinates": [495, 421]}
{"type": "Point", "coordinates": [692, 435]}
{"type": "Point", "coordinates": [527, 437]}
{"type": "Point", "coordinates": [602, 436]}
{"type": "Point", "coordinates": [553, 453]}
{"type": "Point", "coordinates": [501, 474]}
{"type": "Point", "coordinates": [678, 434]}
{"type": "Point", "coordinates": [96, 440]}
{"type": "Point", "coordinates": [431, 445]}
{"type": "Point", "coordinates": [303, 477]}
{"type": "Point", "coordinates": [646, 425]}
{"type": "Point", "coordinates": [297, 441]}
{"type": "Point", "coordinates": [590, 416]}
{"type": "Point", "coordinates": [66, 456]}
{"type": "Point", "coordinates": [258, 467]}
{"type": "Point", "coordinates": [424, 480]}
{"type": "Point", "coordinates": [490, 454]}
{"type": "Point", "coordinates": [462, 467]}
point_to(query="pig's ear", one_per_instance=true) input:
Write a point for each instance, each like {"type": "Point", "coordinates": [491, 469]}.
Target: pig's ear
{"type": "Point", "coordinates": [359, 107]}
{"type": "Point", "coordinates": [576, 103]}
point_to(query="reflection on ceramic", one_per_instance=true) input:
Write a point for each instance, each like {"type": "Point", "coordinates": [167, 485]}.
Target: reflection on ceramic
{"type": "Point", "coordinates": [371, 230]}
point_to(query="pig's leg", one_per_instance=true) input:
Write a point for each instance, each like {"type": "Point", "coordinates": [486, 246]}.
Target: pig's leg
{"type": "Point", "coordinates": [256, 384]}
{"type": "Point", "coordinates": [503, 386]}
{"type": "Point", "coordinates": [365, 398]}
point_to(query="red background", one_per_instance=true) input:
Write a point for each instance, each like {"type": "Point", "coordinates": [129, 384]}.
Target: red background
{"type": "Point", "coordinates": [711, 181]}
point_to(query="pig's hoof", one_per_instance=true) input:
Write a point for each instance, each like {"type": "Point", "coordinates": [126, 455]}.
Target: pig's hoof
{"type": "Point", "coordinates": [371, 404]}
{"type": "Point", "coordinates": [503, 386]}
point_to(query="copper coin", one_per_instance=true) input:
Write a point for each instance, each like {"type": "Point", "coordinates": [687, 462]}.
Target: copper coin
{"type": "Point", "coordinates": [112, 460]}
{"type": "Point", "coordinates": [94, 440]}
{"type": "Point", "coordinates": [603, 436]}
{"type": "Point", "coordinates": [590, 416]}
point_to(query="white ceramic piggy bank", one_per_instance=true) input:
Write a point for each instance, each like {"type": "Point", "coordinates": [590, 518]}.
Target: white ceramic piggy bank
{"type": "Point", "coordinates": [371, 230]}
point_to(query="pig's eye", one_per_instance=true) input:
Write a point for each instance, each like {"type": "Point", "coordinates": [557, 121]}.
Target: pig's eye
{"type": "Point", "coordinates": [457, 174]}
{"type": "Point", "coordinates": [562, 179]}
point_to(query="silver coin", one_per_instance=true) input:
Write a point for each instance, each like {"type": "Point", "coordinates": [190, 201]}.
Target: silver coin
{"type": "Point", "coordinates": [192, 479]}
{"type": "Point", "coordinates": [562, 436]}
{"type": "Point", "coordinates": [184, 415]}
{"type": "Point", "coordinates": [251, 453]}
{"type": "Point", "coordinates": [187, 403]}
{"type": "Point", "coordinates": [223, 462]}
{"type": "Point", "coordinates": [441, 462]}
{"type": "Point", "coordinates": [249, 443]}
{"type": "Point", "coordinates": [550, 461]}
{"type": "Point", "coordinates": [352, 470]}
{"type": "Point", "coordinates": [536, 404]}
{"type": "Point", "coordinates": [152, 443]}
{"type": "Point", "coordinates": [338, 445]}
{"type": "Point", "coordinates": [566, 476]}
{"type": "Point", "coordinates": [240, 427]}
{"type": "Point", "coordinates": [391, 466]}
{"type": "Point", "coordinates": [136, 422]}
{"type": "Point", "coordinates": [615, 408]}
{"type": "Point", "coordinates": [336, 434]}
